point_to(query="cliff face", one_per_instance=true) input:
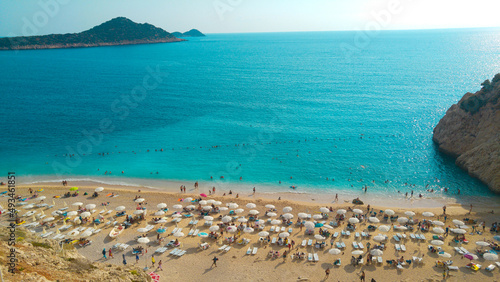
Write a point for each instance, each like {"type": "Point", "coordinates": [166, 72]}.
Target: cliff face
{"type": "Point", "coordinates": [470, 132]}
{"type": "Point", "coordinates": [118, 31]}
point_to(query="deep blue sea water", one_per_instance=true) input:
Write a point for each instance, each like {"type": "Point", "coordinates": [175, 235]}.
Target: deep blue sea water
{"type": "Point", "coordinates": [263, 106]}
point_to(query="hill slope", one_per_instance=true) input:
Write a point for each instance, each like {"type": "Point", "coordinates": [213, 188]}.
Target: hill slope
{"type": "Point", "coordinates": [191, 33]}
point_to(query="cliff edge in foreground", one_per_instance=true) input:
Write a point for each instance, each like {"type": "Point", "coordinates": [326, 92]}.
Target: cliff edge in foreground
{"type": "Point", "coordinates": [470, 132]}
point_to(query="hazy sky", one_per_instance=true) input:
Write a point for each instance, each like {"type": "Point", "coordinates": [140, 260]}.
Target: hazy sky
{"type": "Point", "coordinates": [28, 17]}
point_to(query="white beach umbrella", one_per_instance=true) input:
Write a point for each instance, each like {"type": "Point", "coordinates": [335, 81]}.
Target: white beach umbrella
{"type": "Point", "coordinates": [263, 234]}
{"type": "Point", "coordinates": [490, 256]}
{"type": "Point", "coordinates": [77, 204]}
{"type": "Point", "coordinates": [319, 237]}
{"type": "Point", "coordinates": [188, 199]}
{"type": "Point", "coordinates": [218, 203]}
{"type": "Point", "coordinates": [288, 216]}
{"type": "Point", "coordinates": [409, 213]}
{"type": "Point", "coordinates": [284, 234]}
{"type": "Point", "coordinates": [177, 215]}
{"type": "Point", "coordinates": [389, 212]}
{"type": "Point", "coordinates": [317, 216]}
{"type": "Point", "coordinates": [30, 206]}
{"type": "Point", "coordinates": [77, 220]}
{"type": "Point", "coordinates": [233, 205]}
{"type": "Point", "coordinates": [269, 206]}
{"type": "Point", "coordinates": [309, 225]}
{"type": "Point", "coordinates": [358, 252]}
{"type": "Point", "coordinates": [211, 201]}
{"type": "Point", "coordinates": [72, 213]}
{"type": "Point", "coordinates": [376, 252]}
{"type": "Point", "coordinates": [402, 220]}
{"type": "Point", "coordinates": [190, 207]}
{"type": "Point", "coordinates": [341, 211]}
{"type": "Point", "coordinates": [85, 214]}
{"type": "Point", "coordinates": [438, 223]}
{"type": "Point", "coordinates": [260, 222]}
{"type": "Point", "coordinates": [334, 251]}
{"type": "Point", "coordinates": [248, 230]}
{"type": "Point", "coordinates": [177, 207]}
{"type": "Point", "coordinates": [142, 230]}
{"type": "Point", "coordinates": [400, 227]}
{"type": "Point", "coordinates": [41, 198]}
{"type": "Point", "coordinates": [251, 205]}
{"type": "Point", "coordinates": [253, 212]}
{"type": "Point", "coordinates": [159, 213]}
{"type": "Point", "coordinates": [139, 200]}
{"type": "Point", "coordinates": [120, 208]}
{"type": "Point", "coordinates": [138, 212]}
{"type": "Point", "coordinates": [239, 210]}
{"type": "Point", "coordinates": [464, 227]}
{"type": "Point", "coordinates": [353, 220]}
{"type": "Point", "coordinates": [275, 221]}
{"type": "Point", "coordinates": [324, 210]}
{"type": "Point", "coordinates": [207, 208]}
{"type": "Point", "coordinates": [482, 244]}
{"type": "Point", "coordinates": [56, 213]}
{"type": "Point", "coordinates": [231, 229]}
{"type": "Point", "coordinates": [162, 221]}
{"type": "Point", "coordinates": [474, 257]}
{"type": "Point", "coordinates": [73, 233]}
{"type": "Point", "coordinates": [428, 214]}
{"type": "Point", "coordinates": [327, 226]}
{"type": "Point", "coordinates": [161, 205]}
{"type": "Point", "coordinates": [223, 208]}
{"type": "Point", "coordinates": [202, 202]}
{"type": "Point", "coordinates": [179, 234]}
{"type": "Point", "coordinates": [358, 211]}
{"type": "Point", "coordinates": [384, 228]}
{"type": "Point", "coordinates": [373, 219]}
{"type": "Point", "coordinates": [208, 218]}
{"type": "Point", "coordinates": [48, 219]}
{"type": "Point", "coordinates": [458, 222]}
{"type": "Point", "coordinates": [437, 242]}
{"type": "Point", "coordinates": [438, 230]}
{"type": "Point", "coordinates": [444, 255]}
{"type": "Point", "coordinates": [214, 228]}
{"type": "Point", "coordinates": [99, 189]}
{"type": "Point", "coordinates": [86, 234]}
{"type": "Point", "coordinates": [226, 219]}
{"type": "Point", "coordinates": [287, 209]}
{"type": "Point", "coordinates": [90, 206]}
{"type": "Point", "coordinates": [379, 238]}
{"type": "Point", "coordinates": [271, 214]}
{"type": "Point", "coordinates": [458, 231]}
{"type": "Point", "coordinates": [242, 220]}
{"type": "Point", "coordinates": [302, 215]}
{"type": "Point", "coordinates": [143, 240]}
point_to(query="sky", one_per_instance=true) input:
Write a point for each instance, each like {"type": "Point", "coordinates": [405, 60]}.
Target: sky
{"type": "Point", "coordinates": [38, 17]}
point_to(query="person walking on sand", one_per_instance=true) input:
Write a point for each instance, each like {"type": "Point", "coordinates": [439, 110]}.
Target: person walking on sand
{"type": "Point", "coordinates": [104, 253]}
{"type": "Point", "coordinates": [362, 276]}
{"type": "Point", "coordinates": [124, 260]}
{"type": "Point", "coordinates": [110, 253]}
{"type": "Point", "coordinates": [284, 256]}
{"type": "Point", "coordinates": [153, 260]}
{"type": "Point", "coordinates": [136, 257]}
{"type": "Point", "coordinates": [159, 265]}
{"type": "Point", "coordinates": [327, 273]}
{"type": "Point", "coordinates": [214, 263]}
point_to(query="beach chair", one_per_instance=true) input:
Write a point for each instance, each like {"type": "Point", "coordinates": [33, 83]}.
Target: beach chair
{"type": "Point", "coordinates": [316, 257]}
{"type": "Point", "coordinates": [249, 251]}
{"type": "Point", "coordinates": [404, 236]}
{"type": "Point", "coordinates": [290, 230]}
{"type": "Point", "coordinates": [196, 232]}
{"type": "Point", "coordinates": [412, 236]}
{"type": "Point", "coordinates": [273, 241]}
{"type": "Point", "coordinates": [403, 248]}
{"type": "Point", "coordinates": [283, 228]}
{"type": "Point", "coordinates": [174, 251]}
{"type": "Point", "coordinates": [453, 268]}
{"type": "Point", "coordinates": [174, 231]}
{"type": "Point", "coordinates": [357, 235]}
{"type": "Point", "coordinates": [338, 245]}
{"type": "Point", "coordinates": [459, 251]}
{"type": "Point", "coordinates": [348, 233]}
{"type": "Point", "coordinates": [399, 235]}
{"type": "Point", "coordinates": [161, 250]}
{"type": "Point", "coordinates": [396, 238]}
{"type": "Point", "coordinates": [277, 229]}
{"type": "Point", "coordinates": [222, 248]}
{"type": "Point", "coordinates": [195, 222]}
{"type": "Point", "coordinates": [342, 233]}
{"type": "Point", "coordinates": [181, 253]}
{"type": "Point", "coordinates": [380, 260]}
{"type": "Point", "coordinates": [343, 245]}
{"type": "Point", "coordinates": [310, 257]}
{"type": "Point", "coordinates": [304, 243]}
{"type": "Point", "coordinates": [364, 234]}
{"type": "Point", "coordinates": [254, 252]}
{"type": "Point", "coordinates": [123, 247]}
{"type": "Point", "coordinates": [422, 237]}
{"type": "Point", "coordinates": [191, 231]}
{"type": "Point", "coordinates": [179, 230]}
{"type": "Point", "coordinates": [335, 235]}
{"type": "Point", "coordinates": [227, 249]}
{"type": "Point", "coordinates": [398, 247]}
{"type": "Point", "coordinates": [464, 250]}
{"type": "Point", "coordinates": [310, 242]}
{"type": "Point", "coordinates": [360, 245]}
{"type": "Point", "coordinates": [191, 222]}
{"type": "Point", "coordinates": [208, 223]}
{"type": "Point", "coordinates": [491, 267]}
{"type": "Point", "coordinates": [116, 246]}
{"type": "Point", "coordinates": [355, 245]}
{"type": "Point", "coordinates": [272, 229]}
{"type": "Point", "coordinates": [361, 261]}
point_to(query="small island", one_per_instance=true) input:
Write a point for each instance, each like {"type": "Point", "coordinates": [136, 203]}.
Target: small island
{"type": "Point", "coordinates": [191, 33]}
{"type": "Point", "coordinates": [118, 31]}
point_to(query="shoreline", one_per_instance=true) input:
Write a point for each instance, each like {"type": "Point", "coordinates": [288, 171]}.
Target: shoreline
{"type": "Point", "coordinates": [272, 193]}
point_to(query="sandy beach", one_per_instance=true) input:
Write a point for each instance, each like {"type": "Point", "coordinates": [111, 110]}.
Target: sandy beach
{"type": "Point", "coordinates": [235, 264]}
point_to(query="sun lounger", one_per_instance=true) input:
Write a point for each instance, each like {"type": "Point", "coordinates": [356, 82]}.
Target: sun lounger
{"type": "Point", "coordinates": [116, 246]}
{"type": "Point", "coordinates": [363, 234]}
{"type": "Point", "coordinates": [491, 267]}
{"type": "Point", "coordinates": [208, 223]}
{"type": "Point", "coordinates": [357, 235]}
{"type": "Point", "coordinates": [403, 248]}
{"type": "Point", "coordinates": [316, 257]}
{"type": "Point", "coordinates": [290, 230]}
{"type": "Point", "coordinates": [396, 238]}
{"type": "Point", "coordinates": [181, 253]}
{"type": "Point", "coordinates": [255, 249]}
{"type": "Point", "coordinates": [222, 248]}
{"type": "Point", "coordinates": [174, 251]}
{"type": "Point", "coordinates": [249, 251]}
{"type": "Point", "coordinates": [342, 233]}
{"type": "Point", "coordinates": [277, 229]}
{"type": "Point", "coordinates": [412, 236]}
{"type": "Point", "coordinates": [272, 229]}
{"type": "Point", "coordinates": [361, 261]}
{"type": "Point", "coordinates": [310, 242]}
{"type": "Point", "coordinates": [335, 235]}
{"type": "Point", "coordinates": [360, 245]}
{"type": "Point", "coordinates": [348, 233]}
{"type": "Point", "coordinates": [398, 247]}
{"type": "Point", "coordinates": [497, 263]}
{"type": "Point", "coordinates": [283, 228]}
{"type": "Point", "coordinates": [338, 245]}
{"type": "Point", "coordinates": [196, 232]}
{"type": "Point", "coordinates": [310, 257]}
{"type": "Point", "coordinates": [343, 245]}
{"type": "Point", "coordinates": [227, 249]}
{"type": "Point", "coordinates": [47, 234]}
{"type": "Point", "coordinates": [422, 237]}
{"type": "Point", "coordinates": [399, 235]}
{"type": "Point", "coordinates": [380, 260]}
{"type": "Point", "coordinates": [191, 231]}
{"type": "Point", "coordinates": [464, 250]}
{"type": "Point", "coordinates": [459, 251]}
{"type": "Point", "coordinates": [355, 245]}
{"type": "Point", "coordinates": [404, 236]}
{"type": "Point", "coordinates": [400, 267]}
{"type": "Point", "coordinates": [273, 241]}
{"type": "Point", "coordinates": [191, 222]}
{"type": "Point", "coordinates": [161, 250]}
{"type": "Point", "coordinates": [175, 230]}
{"type": "Point", "coordinates": [304, 243]}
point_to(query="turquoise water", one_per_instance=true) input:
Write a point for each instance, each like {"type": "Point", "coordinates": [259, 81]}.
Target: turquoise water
{"type": "Point", "coordinates": [264, 107]}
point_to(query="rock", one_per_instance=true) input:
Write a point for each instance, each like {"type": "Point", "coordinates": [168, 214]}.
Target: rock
{"type": "Point", "coordinates": [470, 132]}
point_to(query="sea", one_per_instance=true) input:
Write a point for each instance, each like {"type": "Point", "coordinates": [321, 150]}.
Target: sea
{"type": "Point", "coordinates": [316, 112]}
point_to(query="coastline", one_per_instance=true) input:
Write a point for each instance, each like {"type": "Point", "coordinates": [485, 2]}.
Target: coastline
{"type": "Point", "coordinates": [272, 193]}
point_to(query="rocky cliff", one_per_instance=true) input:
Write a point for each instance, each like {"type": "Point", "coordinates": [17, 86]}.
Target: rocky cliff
{"type": "Point", "coordinates": [470, 132]}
